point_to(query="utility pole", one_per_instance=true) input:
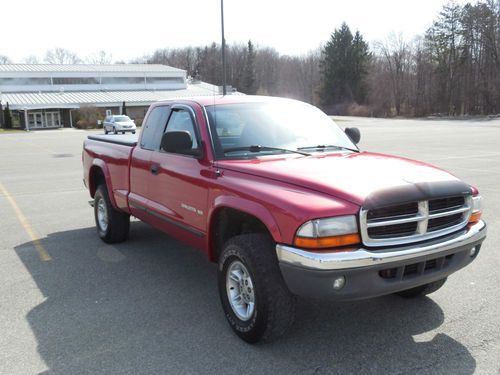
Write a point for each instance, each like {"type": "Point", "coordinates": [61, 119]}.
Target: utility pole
{"type": "Point", "coordinates": [223, 49]}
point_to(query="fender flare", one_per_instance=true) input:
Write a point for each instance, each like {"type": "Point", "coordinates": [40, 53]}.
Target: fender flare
{"type": "Point", "coordinates": [100, 164]}
{"type": "Point", "coordinates": [246, 206]}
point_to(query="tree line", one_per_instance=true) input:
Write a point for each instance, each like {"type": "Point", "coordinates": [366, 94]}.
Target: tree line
{"type": "Point", "coordinates": [63, 56]}
{"type": "Point", "coordinates": [249, 69]}
{"type": "Point", "coordinates": [452, 69]}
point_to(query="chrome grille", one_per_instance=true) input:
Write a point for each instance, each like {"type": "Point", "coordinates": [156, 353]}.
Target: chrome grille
{"type": "Point", "coordinates": [414, 221]}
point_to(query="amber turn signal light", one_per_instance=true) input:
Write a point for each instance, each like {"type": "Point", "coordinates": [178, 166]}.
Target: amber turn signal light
{"type": "Point", "coordinates": [475, 217]}
{"type": "Point", "coordinates": [327, 242]}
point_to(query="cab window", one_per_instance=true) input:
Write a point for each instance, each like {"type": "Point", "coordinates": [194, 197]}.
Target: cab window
{"type": "Point", "coordinates": [181, 119]}
{"type": "Point", "coordinates": [154, 128]}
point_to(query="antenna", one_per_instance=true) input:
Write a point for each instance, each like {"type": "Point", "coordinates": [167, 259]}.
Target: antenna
{"type": "Point", "coordinates": [223, 49]}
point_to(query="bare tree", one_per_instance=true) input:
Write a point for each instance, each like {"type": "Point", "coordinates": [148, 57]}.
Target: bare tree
{"type": "Point", "coordinates": [424, 75]}
{"type": "Point", "coordinates": [267, 71]}
{"type": "Point", "coordinates": [445, 38]}
{"type": "Point", "coordinates": [100, 58]}
{"type": "Point", "coordinates": [235, 60]}
{"type": "Point", "coordinates": [5, 60]}
{"type": "Point", "coordinates": [32, 59]}
{"type": "Point", "coordinates": [380, 89]}
{"type": "Point", "coordinates": [61, 56]}
{"type": "Point", "coordinates": [397, 56]}
{"type": "Point", "coordinates": [309, 75]}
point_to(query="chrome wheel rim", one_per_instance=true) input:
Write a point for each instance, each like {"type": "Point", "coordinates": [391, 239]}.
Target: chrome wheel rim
{"type": "Point", "coordinates": [240, 290]}
{"type": "Point", "coordinates": [102, 215]}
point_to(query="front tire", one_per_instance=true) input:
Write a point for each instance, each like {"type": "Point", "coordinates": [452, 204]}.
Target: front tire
{"type": "Point", "coordinates": [112, 225]}
{"type": "Point", "coordinates": [422, 290]}
{"type": "Point", "coordinates": [256, 301]}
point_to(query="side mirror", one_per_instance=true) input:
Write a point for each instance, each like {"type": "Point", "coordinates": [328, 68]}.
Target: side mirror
{"type": "Point", "coordinates": [353, 134]}
{"type": "Point", "coordinates": [179, 142]}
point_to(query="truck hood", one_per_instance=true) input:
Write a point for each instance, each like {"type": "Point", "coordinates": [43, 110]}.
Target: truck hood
{"type": "Point", "coordinates": [366, 179]}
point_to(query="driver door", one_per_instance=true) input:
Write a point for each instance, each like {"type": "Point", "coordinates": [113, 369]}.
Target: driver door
{"type": "Point", "coordinates": [178, 192]}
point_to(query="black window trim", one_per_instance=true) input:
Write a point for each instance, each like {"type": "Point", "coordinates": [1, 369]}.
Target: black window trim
{"type": "Point", "coordinates": [192, 115]}
{"type": "Point", "coordinates": [209, 129]}
{"type": "Point", "coordinates": [146, 123]}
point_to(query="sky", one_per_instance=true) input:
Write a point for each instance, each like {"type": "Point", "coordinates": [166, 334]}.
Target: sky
{"type": "Point", "coordinates": [129, 30]}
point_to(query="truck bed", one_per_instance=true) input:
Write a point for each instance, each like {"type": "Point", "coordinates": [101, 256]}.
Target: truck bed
{"type": "Point", "coordinates": [119, 139]}
{"type": "Point", "coordinates": [112, 154]}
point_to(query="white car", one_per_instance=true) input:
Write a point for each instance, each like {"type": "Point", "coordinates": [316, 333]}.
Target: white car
{"type": "Point", "coordinates": [119, 123]}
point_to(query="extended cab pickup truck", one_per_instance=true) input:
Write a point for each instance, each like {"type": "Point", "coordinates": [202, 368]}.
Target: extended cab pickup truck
{"type": "Point", "coordinates": [286, 204]}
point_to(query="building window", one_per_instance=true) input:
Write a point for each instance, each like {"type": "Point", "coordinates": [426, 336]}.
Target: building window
{"type": "Point", "coordinates": [75, 80]}
{"type": "Point", "coordinates": [22, 81]}
{"type": "Point", "coordinates": [163, 80]}
{"type": "Point", "coordinates": [122, 80]}
{"type": "Point", "coordinates": [52, 119]}
{"type": "Point", "coordinates": [35, 119]}
{"type": "Point", "coordinates": [44, 119]}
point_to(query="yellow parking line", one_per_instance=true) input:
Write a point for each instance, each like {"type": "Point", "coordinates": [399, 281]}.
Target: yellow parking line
{"type": "Point", "coordinates": [42, 253]}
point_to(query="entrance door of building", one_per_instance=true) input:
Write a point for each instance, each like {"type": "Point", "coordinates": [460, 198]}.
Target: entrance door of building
{"type": "Point", "coordinates": [35, 119]}
{"type": "Point", "coordinates": [52, 119]}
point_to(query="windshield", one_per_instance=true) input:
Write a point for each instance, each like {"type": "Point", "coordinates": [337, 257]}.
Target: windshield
{"type": "Point", "coordinates": [286, 125]}
{"type": "Point", "coordinates": [122, 118]}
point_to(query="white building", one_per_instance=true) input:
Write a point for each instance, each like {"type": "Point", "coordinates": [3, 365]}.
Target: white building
{"type": "Point", "coordinates": [46, 95]}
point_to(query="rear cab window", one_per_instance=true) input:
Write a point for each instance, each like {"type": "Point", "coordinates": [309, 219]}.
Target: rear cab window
{"type": "Point", "coordinates": [154, 127]}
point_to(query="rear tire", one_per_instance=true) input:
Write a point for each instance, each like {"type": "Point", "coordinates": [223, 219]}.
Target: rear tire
{"type": "Point", "coordinates": [256, 301]}
{"type": "Point", "coordinates": [422, 290]}
{"type": "Point", "coordinates": [112, 225]}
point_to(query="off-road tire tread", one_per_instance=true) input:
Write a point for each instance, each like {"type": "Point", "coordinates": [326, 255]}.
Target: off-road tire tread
{"type": "Point", "coordinates": [118, 222]}
{"type": "Point", "coordinates": [279, 300]}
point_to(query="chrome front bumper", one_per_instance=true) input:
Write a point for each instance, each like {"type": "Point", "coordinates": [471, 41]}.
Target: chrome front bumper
{"type": "Point", "coordinates": [368, 273]}
{"type": "Point", "coordinates": [365, 258]}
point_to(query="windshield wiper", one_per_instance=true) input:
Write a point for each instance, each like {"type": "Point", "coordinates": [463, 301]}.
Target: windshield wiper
{"type": "Point", "coordinates": [258, 148]}
{"type": "Point", "coordinates": [324, 147]}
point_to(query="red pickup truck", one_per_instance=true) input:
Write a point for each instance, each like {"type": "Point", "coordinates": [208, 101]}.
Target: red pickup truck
{"type": "Point", "coordinates": [285, 202]}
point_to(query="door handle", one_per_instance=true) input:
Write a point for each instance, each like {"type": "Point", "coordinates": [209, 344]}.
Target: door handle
{"type": "Point", "coordinates": [154, 169]}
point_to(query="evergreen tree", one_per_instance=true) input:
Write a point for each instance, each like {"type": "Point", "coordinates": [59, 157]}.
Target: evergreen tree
{"type": "Point", "coordinates": [344, 68]}
{"type": "Point", "coordinates": [7, 117]}
{"type": "Point", "coordinates": [360, 59]}
{"type": "Point", "coordinates": [1, 115]}
{"type": "Point", "coordinates": [249, 81]}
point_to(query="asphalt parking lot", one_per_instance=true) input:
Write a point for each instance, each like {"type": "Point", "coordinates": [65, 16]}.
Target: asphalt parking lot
{"type": "Point", "coordinates": [70, 304]}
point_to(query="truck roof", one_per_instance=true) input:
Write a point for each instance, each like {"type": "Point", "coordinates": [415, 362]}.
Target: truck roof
{"type": "Point", "coordinates": [228, 99]}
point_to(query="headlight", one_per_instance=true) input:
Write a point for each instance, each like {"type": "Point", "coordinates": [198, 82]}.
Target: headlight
{"type": "Point", "coordinates": [477, 209]}
{"type": "Point", "coordinates": [328, 233]}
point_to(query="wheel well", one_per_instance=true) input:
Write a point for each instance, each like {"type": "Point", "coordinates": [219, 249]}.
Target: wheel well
{"type": "Point", "coordinates": [96, 178]}
{"type": "Point", "coordinates": [228, 223]}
